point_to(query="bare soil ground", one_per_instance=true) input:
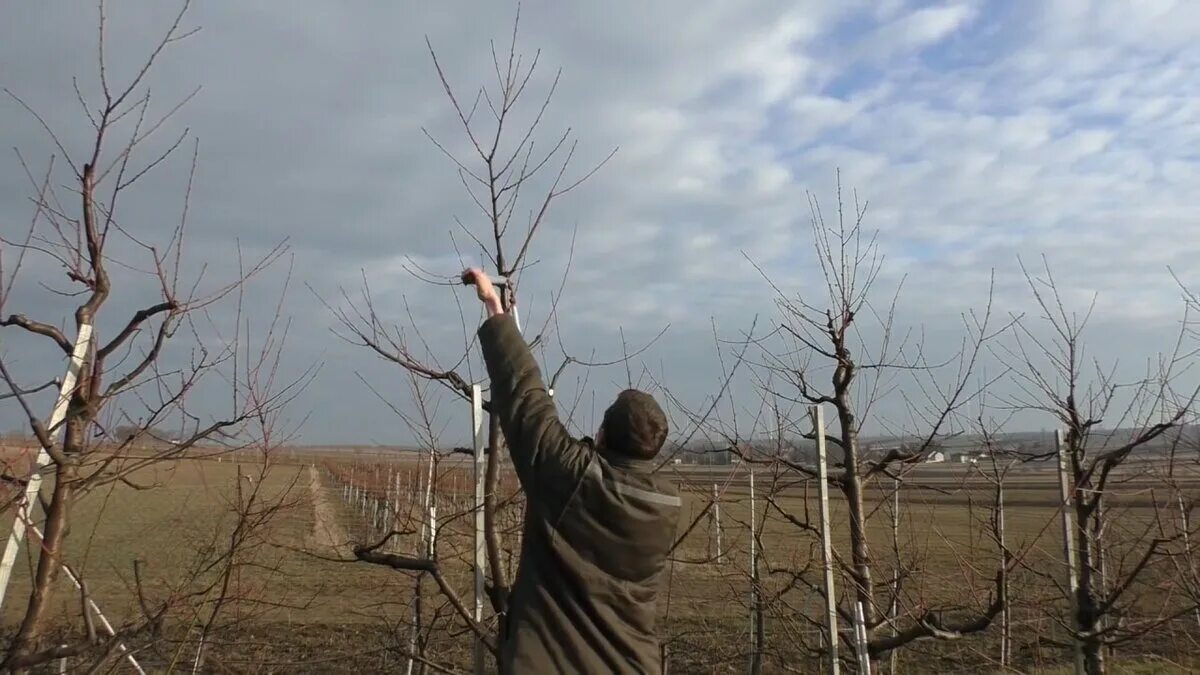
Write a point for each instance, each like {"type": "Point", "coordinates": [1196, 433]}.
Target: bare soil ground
{"type": "Point", "coordinates": [327, 531]}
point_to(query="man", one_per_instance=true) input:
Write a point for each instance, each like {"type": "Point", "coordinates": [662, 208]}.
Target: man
{"type": "Point", "coordinates": [598, 523]}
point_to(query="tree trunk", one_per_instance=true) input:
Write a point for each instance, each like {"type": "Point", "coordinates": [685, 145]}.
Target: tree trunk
{"type": "Point", "coordinates": [491, 535]}
{"type": "Point", "coordinates": [29, 635]}
{"type": "Point", "coordinates": [852, 488]}
{"type": "Point", "coordinates": [756, 613]}
{"type": "Point", "coordinates": [1005, 613]}
{"type": "Point", "coordinates": [894, 588]}
{"type": "Point", "coordinates": [1086, 610]}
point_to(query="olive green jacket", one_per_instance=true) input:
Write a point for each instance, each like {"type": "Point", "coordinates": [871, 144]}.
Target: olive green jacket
{"type": "Point", "coordinates": [598, 528]}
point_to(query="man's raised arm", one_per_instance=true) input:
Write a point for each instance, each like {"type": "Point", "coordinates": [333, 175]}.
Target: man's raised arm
{"type": "Point", "coordinates": [536, 438]}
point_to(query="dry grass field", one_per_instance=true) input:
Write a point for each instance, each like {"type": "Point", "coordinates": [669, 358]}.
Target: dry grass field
{"type": "Point", "coordinates": [297, 602]}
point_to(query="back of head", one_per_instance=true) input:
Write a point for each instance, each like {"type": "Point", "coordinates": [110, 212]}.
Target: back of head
{"type": "Point", "coordinates": [634, 425]}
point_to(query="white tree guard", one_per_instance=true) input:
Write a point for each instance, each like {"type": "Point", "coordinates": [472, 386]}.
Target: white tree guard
{"type": "Point", "coordinates": [33, 487]}
{"type": "Point", "coordinates": [1064, 491]}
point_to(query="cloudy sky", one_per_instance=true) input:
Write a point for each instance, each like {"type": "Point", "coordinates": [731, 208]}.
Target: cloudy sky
{"type": "Point", "coordinates": [978, 132]}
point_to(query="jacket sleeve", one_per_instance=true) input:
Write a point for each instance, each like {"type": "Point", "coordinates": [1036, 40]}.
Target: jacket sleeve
{"type": "Point", "coordinates": [541, 447]}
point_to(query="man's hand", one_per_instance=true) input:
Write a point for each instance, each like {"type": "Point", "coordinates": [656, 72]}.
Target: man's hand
{"type": "Point", "coordinates": [484, 289]}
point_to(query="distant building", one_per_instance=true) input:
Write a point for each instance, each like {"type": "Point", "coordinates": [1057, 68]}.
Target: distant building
{"type": "Point", "coordinates": [876, 451]}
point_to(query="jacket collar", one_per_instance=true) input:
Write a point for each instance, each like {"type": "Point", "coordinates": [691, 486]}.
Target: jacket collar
{"type": "Point", "coordinates": [624, 461]}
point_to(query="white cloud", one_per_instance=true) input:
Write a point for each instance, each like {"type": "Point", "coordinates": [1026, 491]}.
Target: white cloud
{"type": "Point", "coordinates": [977, 132]}
{"type": "Point", "coordinates": [928, 25]}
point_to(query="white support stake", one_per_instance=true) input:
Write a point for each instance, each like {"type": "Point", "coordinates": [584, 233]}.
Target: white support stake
{"type": "Point", "coordinates": [716, 517]}
{"type": "Point", "coordinates": [1064, 491]}
{"type": "Point", "coordinates": [432, 529]}
{"type": "Point", "coordinates": [396, 509]}
{"type": "Point", "coordinates": [860, 640]}
{"type": "Point", "coordinates": [477, 427]}
{"type": "Point", "coordinates": [96, 610]}
{"type": "Point", "coordinates": [818, 417]}
{"type": "Point", "coordinates": [33, 487]}
{"type": "Point", "coordinates": [430, 506]}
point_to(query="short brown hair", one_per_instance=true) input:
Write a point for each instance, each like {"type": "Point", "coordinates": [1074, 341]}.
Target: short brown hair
{"type": "Point", "coordinates": [634, 425]}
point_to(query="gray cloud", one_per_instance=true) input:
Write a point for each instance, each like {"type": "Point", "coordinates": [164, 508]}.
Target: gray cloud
{"type": "Point", "coordinates": [1062, 134]}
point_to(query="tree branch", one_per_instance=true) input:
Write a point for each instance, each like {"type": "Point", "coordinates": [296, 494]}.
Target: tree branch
{"type": "Point", "coordinates": [931, 625]}
{"type": "Point", "coordinates": [39, 328]}
{"type": "Point", "coordinates": [399, 562]}
{"type": "Point", "coordinates": [134, 323]}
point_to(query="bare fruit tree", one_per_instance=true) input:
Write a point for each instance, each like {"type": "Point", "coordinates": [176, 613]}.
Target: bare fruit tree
{"type": "Point", "coordinates": [850, 340]}
{"type": "Point", "coordinates": [513, 180]}
{"type": "Point", "coordinates": [1117, 457]}
{"type": "Point", "coordinates": [137, 370]}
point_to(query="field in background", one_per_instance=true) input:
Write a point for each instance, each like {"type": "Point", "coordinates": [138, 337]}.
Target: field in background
{"type": "Point", "coordinates": [295, 606]}
{"type": "Point", "coordinates": [299, 604]}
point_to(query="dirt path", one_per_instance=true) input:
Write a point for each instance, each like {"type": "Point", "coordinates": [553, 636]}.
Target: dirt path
{"type": "Point", "coordinates": [327, 533]}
